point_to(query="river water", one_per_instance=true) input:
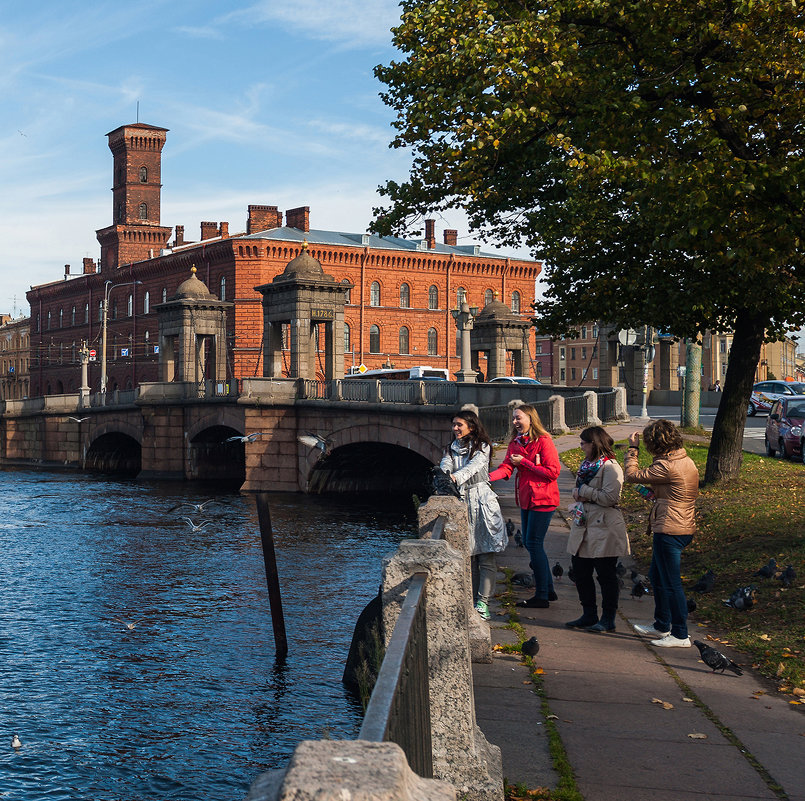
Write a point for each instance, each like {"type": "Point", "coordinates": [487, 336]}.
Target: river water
{"type": "Point", "coordinates": [190, 702]}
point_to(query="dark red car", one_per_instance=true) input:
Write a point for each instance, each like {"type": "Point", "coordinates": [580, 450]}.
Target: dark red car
{"type": "Point", "coordinates": [784, 428]}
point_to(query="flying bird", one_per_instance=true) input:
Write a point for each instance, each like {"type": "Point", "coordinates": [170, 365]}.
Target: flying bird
{"type": "Point", "coordinates": [194, 507]}
{"type": "Point", "coordinates": [16, 742]}
{"type": "Point", "coordinates": [247, 438]}
{"type": "Point", "coordinates": [314, 441]}
{"type": "Point", "coordinates": [705, 583]}
{"type": "Point", "coordinates": [518, 538]}
{"type": "Point", "coordinates": [194, 527]}
{"type": "Point", "coordinates": [767, 571]}
{"type": "Point", "coordinates": [743, 598]}
{"type": "Point", "coordinates": [78, 419]}
{"type": "Point", "coordinates": [530, 647]}
{"type": "Point", "coordinates": [788, 576]}
{"type": "Point", "coordinates": [130, 626]}
{"type": "Point", "coordinates": [715, 659]}
{"type": "Point", "coordinates": [558, 571]}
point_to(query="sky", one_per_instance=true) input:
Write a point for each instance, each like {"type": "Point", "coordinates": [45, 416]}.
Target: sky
{"type": "Point", "coordinates": [268, 103]}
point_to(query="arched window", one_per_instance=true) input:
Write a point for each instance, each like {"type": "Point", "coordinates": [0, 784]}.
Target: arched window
{"type": "Point", "coordinates": [143, 175]}
{"type": "Point", "coordinates": [374, 339]}
{"type": "Point", "coordinates": [61, 318]}
{"type": "Point", "coordinates": [143, 211]}
{"type": "Point", "coordinates": [516, 302]}
{"type": "Point", "coordinates": [100, 310]}
{"type": "Point", "coordinates": [458, 342]}
{"type": "Point", "coordinates": [374, 294]}
{"type": "Point", "coordinates": [86, 312]}
{"type": "Point", "coordinates": [147, 337]}
{"type": "Point", "coordinates": [223, 287]}
{"type": "Point", "coordinates": [130, 306]}
{"type": "Point", "coordinates": [348, 295]}
{"type": "Point", "coordinates": [405, 296]}
{"type": "Point", "coordinates": [433, 297]}
{"type": "Point", "coordinates": [49, 321]}
{"type": "Point", "coordinates": [38, 323]}
{"type": "Point", "coordinates": [347, 339]}
{"type": "Point", "coordinates": [461, 295]}
{"type": "Point", "coordinates": [164, 294]}
{"type": "Point", "coordinates": [147, 303]}
{"type": "Point", "coordinates": [72, 357]}
{"type": "Point", "coordinates": [73, 317]}
{"type": "Point", "coordinates": [489, 296]}
{"type": "Point", "coordinates": [433, 342]}
{"type": "Point", "coordinates": [404, 340]}
{"type": "Point", "coordinates": [114, 310]}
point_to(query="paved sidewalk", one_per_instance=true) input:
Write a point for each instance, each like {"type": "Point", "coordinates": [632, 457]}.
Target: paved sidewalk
{"type": "Point", "coordinates": [620, 743]}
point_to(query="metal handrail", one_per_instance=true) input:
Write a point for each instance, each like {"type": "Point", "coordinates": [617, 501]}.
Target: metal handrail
{"type": "Point", "coordinates": [399, 708]}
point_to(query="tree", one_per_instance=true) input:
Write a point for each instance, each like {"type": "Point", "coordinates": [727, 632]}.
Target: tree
{"type": "Point", "coordinates": [650, 151]}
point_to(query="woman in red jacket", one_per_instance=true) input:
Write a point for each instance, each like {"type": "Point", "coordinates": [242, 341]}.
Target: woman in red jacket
{"type": "Point", "coordinates": [534, 455]}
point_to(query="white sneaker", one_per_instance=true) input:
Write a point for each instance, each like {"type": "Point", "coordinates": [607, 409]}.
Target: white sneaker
{"type": "Point", "coordinates": [648, 630]}
{"type": "Point", "coordinates": [669, 641]}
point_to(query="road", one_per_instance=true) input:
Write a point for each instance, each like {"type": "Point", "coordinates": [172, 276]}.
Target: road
{"type": "Point", "coordinates": [753, 432]}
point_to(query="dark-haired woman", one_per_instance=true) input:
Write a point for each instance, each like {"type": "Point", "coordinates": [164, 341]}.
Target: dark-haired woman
{"type": "Point", "coordinates": [598, 535]}
{"type": "Point", "coordinates": [673, 477]}
{"type": "Point", "coordinates": [467, 462]}
{"type": "Point", "coordinates": [532, 453]}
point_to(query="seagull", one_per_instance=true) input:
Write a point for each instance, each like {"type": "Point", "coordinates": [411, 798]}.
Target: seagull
{"type": "Point", "coordinates": [15, 742]}
{"type": "Point", "coordinates": [248, 438]}
{"type": "Point", "coordinates": [530, 647]}
{"type": "Point", "coordinates": [715, 659]}
{"type": "Point", "coordinates": [557, 571]}
{"type": "Point", "coordinates": [78, 419]}
{"type": "Point", "coordinates": [195, 507]}
{"type": "Point", "coordinates": [767, 571]}
{"type": "Point", "coordinates": [129, 626]}
{"type": "Point", "coordinates": [196, 528]}
{"type": "Point", "coordinates": [314, 441]}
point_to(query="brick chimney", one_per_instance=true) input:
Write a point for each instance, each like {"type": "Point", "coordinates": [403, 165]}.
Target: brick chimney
{"type": "Point", "coordinates": [430, 233]}
{"type": "Point", "coordinates": [209, 230]}
{"type": "Point", "coordinates": [450, 237]}
{"type": "Point", "coordinates": [89, 266]}
{"type": "Point", "coordinates": [262, 218]}
{"type": "Point", "coordinates": [66, 270]}
{"type": "Point", "coordinates": [179, 238]}
{"type": "Point", "coordinates": [298, 218]}
{"type": "Point", "coordinates": [223, 230]}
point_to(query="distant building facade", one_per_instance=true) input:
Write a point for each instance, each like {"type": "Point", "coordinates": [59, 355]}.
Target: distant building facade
{"type": "Point", "coordinates": [15, 355]}
{"type": "Point", "coordinates": [397, 312]}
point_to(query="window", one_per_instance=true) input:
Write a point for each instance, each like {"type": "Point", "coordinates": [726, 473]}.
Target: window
{"type": "Point", "coordinates": [130, 306]}
{"type": "Point", "coordinates": [722, 346]}
{"type": "Point", "coordinates": [572, 354]}
{"type": "Point", "coordinates": [347, 339]}
{"type": "Point", "coordinates": [584, 332]}
{"type": "Point", "coordinates": [374, 339]}
{"type": "Point", "coordinates": [37, 324]}
{"type": "Point", "coordinates": [595, 374]}
{"type": "Point", "coordinates": [433, 342]}
{"type": "Point", "coordinates": [147, 303]}
{"type": "Point", "coordinates": [72, 356]}
{"type": "Point", "coordinates": [48, 321]}
{"type": "Point", "coordinates": [348, 295]}
{"type": "Point", "coordinates": [516, 302]}
{"type": "Point", "coordinates": [595, 331]}
{"type": "Point", "coordinates": [538, 348]}
{"type": "Point", "coordinates": [374, 294]}
{"type": "Point", "coordinates": [458, 342]}
{"type": "Point", "coordinates": [562, 375]}
{"type": "Point", "coordinates": [405, 296]}
{"type": "Point", "coordinates": [61, 318]}
{"type": "Point", "coordinates": [489, 296]}
{"type": "Point", "coordinates": [561, 353]}
{"type": "Point", "coordinates": [572, 373]}
{"type": "Point", "coordinates": [433, 298]}
{"type": "Point", "coordinates": [143, 175]}
{"type": "Point", "coordinates": [461, 296]}
{"type": "Point", "coordinates": [583, 351]}
{"type": "Point", "coordinates": [223, 287]}
{"type": "Point", "coordinates": [100, 310]}
{"type": "Point", "coordinates": [114, 310]}
{"type": "Point", "coordinates": [147, 337]}
{"type": "Point", "coordinates": [164, 295]}
{"type": "Point", "coordinates": [143, 211]}
{"type": "Point", "coordinates": [404, 340]}
{"type": "Point", "coordinates": [72, 317]}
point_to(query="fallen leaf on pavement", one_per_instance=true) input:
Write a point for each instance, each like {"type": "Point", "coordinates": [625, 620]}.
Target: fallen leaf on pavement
{"type": "Point", "coordinates": [688, 700]}
{"type": "Point", "coordinates": [552, 717]}
{"type": "Point", "coordinates": [697, 736]}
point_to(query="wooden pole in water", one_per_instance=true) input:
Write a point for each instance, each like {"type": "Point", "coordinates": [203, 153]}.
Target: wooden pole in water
{"type": "Point", "coordinates": [272, 576]}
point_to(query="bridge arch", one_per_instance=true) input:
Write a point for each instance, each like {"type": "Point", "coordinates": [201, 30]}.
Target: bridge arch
{"type": "Point", "coordinates": [115, 448]}
{"type": "Point", "coordinates": [211, 456]}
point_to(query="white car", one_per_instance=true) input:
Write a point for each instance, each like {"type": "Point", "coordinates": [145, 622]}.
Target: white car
{"type": "Point", "coordinates": [514, 379]}
{"type": "Point", "coordinates": [764, 393]}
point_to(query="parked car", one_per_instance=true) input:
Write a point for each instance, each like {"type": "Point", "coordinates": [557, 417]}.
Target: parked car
{"type": "Point", "coordinates": [514, 379]}
{"type": "Point", "coordinates": [784, 428]}
{"type": "Point", "coordinates": [764, 393]}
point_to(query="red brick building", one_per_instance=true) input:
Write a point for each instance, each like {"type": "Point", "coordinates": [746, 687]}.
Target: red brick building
{"type": "Point", "coordinates": [398, 310]}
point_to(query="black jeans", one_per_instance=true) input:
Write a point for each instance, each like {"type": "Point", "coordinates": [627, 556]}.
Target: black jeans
{"type": "Point", "coordinates": [604, 566]}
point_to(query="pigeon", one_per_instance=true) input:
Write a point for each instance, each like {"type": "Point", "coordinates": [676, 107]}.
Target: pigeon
{"type": "Point", "coordinates": [743, 598]}
{"type": "Point", "coordinates": [314, 441]}
{"type": "Point", "coordinates": [691, 605]}
{"type": "Point", "coordinates": [767, 571]}
{"type": "Point", "coordinates": [194, 507]}
{"type": "Point", "coordinates": [442, 484]}
{"type": "Point", "coordinates": [557, 571]}
{"type": "Point", "coordinates": [788, 576]}
{"type": "Point", "coordinates": [639, 590]}
{"type": "Point", "coordinates": [196, 528]}
{"type": "Point", "coordinates": [639, 577]}
{"type": "Point", "coordinates": [705, 583]}
{"type": "Point", "coordinates": [531, 647]}
{"type": "Point", "coordinates": [715, 659]}
{"type": "Point", "coordinates": [620, 569]}
{"type": "Point", "coordinates": [518, 539]}
{"type": "Point", "coordinates": [523, 579]}
{"type": "Point", "coordinates": [509, 528]}
{"type": "Point", "coordinates": [248, 438]}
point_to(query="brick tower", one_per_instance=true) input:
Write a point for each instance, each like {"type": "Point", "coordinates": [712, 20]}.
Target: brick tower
{"type": "Point", "coordinates": [135, 233]}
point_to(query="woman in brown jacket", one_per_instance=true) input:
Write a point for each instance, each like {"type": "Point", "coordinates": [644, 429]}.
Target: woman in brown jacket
{"type": "Point", "coordinates": [674, 480]}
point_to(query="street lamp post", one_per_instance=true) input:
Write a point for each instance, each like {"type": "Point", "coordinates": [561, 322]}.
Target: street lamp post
{"type": "Point", "coordinates": [464, 316]}
{"type": "Point", "coordinates": [108, 287]}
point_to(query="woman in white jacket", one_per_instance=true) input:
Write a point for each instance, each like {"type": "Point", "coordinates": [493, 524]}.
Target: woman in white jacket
{"type": "Point", "coordinates": [467, 462]}
{"type": "Point", "coordinates": [597, 535]}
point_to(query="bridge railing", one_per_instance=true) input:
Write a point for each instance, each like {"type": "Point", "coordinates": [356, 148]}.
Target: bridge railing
{"type": "Point", "coordinates": [606, 406]}
{"type": "Point", "coordinates": [576, 411]}
{"type": "Point", "coordinates": [374, 391]}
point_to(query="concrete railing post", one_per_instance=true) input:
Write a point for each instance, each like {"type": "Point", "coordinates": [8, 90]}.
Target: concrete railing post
{"type": "Point", "coordinates": [338, 770]}
{"type": "Point", "coordinates": [461, 753]}
{"type": "Point", "coordinates": [591, 413]}
{"type": "Point", "coordinates": [620, 404]}
{"type": "Point", "coordinates": [557, 414]}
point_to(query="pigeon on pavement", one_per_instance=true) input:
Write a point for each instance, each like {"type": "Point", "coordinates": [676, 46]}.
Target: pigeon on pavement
{"type": "Point", "coordinates": [531, 647]}
{"type": "Point", "coordinates": [558, 571]}
{"type": "Point", "coordinates": [518, 538]}
{"type": "Point", "coordinates": [705, 583]}
{"type": "Point", "coordinates": [716, 660]}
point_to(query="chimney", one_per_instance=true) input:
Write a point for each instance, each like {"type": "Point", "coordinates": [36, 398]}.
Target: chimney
{"type": "Point", "coordinates": [179, 238]}
{"type": "Point", "coordinates": [450, 237]}
{"type": "Point", "coordinates": [223, 230]}
{"type": "Point", "coordinates": [66, 270]}
{"type": "Point", "coordinates": [89, 266]}
{"type": "Point", "coordinates": [298, 218]}
{"type": "Point", "coordinates": [262, 218]}
{"type": "Point", "coordinates": [430, 233]}
{"type": "Point", "coordinates": [209, 230]}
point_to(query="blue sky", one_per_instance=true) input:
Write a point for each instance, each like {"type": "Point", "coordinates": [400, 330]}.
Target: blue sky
{"type": "Point", "coordinates": [271, 103]}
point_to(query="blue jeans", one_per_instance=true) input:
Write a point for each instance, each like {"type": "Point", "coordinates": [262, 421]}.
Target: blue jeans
{"type": "Point", "coordinates": [670, 605]}
{"type": "Point", "coordinates": [535, 527]}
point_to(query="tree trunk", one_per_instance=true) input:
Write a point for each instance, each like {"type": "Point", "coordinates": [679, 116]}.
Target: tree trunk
{"type": "Point", "coordinates": [693, 384]}
{"type": "Point", "coordinates": [726, 445]}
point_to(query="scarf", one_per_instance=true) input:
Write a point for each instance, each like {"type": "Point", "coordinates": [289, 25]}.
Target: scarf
{"type": "Point", "coordinates": [588, 469]}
